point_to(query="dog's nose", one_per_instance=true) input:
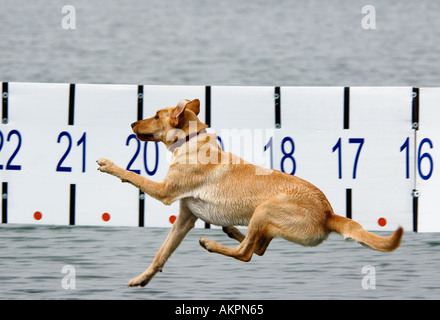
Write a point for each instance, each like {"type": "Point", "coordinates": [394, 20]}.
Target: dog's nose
{"type": "Point", "coordinates": [134, 124]}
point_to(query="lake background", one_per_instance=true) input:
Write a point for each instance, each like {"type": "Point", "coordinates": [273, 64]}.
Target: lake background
{"type": "Point", "coordinates": [275, 43]}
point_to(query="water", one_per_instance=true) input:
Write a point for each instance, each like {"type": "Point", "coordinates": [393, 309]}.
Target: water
{"type": "Point", "coordinates": [198, 42]}
{"type": "Point", "coordinates": [105, 258]}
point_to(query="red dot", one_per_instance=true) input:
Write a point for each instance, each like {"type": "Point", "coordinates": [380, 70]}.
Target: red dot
{"type": "Point", "coordinates": [382, 222]}
{"type": "Point", "coordinates": [38, 215]}
{"type": "Point", "coordinates": [172, 219]}
{"type": "Point", "coordinates": [106, 216]}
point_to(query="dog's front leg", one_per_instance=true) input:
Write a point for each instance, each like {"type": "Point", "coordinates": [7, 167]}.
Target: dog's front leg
{"type": "Point", "coordinates": [184, 223]}
{"type": "Point", "coordinates": [157, 190]}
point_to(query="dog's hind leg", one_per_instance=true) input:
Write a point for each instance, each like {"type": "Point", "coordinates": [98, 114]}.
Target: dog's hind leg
{"type": "Point", "coordinates": [236, 234]}
{"type": "Point", "coordinates": [256, 239]}
{"type": "Point", "coordinates": [262, 245]}
{"type": "Point", "coordinates": [184, 223]}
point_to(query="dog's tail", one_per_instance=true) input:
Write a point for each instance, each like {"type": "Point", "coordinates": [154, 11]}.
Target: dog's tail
{"type": "Point", "coordinates": [351, 229]}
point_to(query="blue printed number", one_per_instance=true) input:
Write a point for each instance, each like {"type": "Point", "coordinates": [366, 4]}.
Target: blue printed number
{"type": "Point", "coordinates": [131, 137]}
{"type": "Point", "coordinates": [9, 165]}
{"type": "Point", "coordinates": [81, 141]}
{"type": "Point", "coordinates": [288, 155]}
{"type": "Point", "coordinates": [269, 145]}
{"type": "Point", "coordinates": [405, 146]}
{"type": "Point", "coordinates": [420, 157]}
{"type": "Point", "coordinates": [427, 156]}
{"type": "Point", "coordinates": [59, 166]}
{"type": "Point", "coordinates": [150, 172]}
{"type": "Point", "coordinates": [220, 143]}
{"type": "Point", "coordinates": [338, 147]}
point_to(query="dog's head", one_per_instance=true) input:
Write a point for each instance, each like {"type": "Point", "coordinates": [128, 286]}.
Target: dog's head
{"type": "Point", "coordinates": [170, 124]}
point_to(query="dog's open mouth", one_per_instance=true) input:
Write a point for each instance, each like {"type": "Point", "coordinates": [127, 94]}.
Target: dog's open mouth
{"type": "Point", "coordinates": [145, 136]}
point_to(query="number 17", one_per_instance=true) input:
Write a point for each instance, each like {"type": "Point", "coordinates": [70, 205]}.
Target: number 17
{"type": "Point", "coordinates": [338, 147]}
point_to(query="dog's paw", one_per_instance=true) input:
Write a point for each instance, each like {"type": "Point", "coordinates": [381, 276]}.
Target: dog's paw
{"type": "Point", "coordinates": [105, 165]}
{"type": "Point", "coordinates": [205, 243]}
{"type": "Point", "coordinates": [140, 280]}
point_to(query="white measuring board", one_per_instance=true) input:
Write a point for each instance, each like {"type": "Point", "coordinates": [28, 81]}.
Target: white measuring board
{"type": "Point", "coordinates": [356, 144]}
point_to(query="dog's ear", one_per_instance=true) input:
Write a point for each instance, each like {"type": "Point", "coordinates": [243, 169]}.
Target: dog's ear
{"type": "Point", "coordinates": [177, 113]}
{"type": "Point", "coordinates": [194, 106]}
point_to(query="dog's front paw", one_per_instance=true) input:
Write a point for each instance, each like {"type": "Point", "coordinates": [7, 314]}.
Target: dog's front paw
{"type": "Point", "coordinates": [140, 280]}
{"type": "Point", "coordinates": [106, 166]}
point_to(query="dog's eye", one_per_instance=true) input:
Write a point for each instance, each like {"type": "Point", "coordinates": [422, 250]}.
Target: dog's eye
{"type": "Point", "coordinates": [156, 117]}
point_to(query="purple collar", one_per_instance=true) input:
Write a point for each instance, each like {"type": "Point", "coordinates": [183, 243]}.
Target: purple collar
{"type": "Point", "coordinates": [180, 142]}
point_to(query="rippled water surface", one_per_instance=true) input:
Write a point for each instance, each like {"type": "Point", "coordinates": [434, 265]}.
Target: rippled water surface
{"type": "Point", "coordinates": [105, 258]}
{"type": "Point", "coordinates": [225, 42]}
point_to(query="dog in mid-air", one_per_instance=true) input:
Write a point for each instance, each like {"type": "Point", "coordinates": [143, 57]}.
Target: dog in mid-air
{"type": "Point", "coordinates": [222, 189]}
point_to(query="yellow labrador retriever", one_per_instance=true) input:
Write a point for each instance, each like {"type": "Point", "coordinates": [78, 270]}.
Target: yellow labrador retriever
{"type": "Point", "coordinates": [222, 189]}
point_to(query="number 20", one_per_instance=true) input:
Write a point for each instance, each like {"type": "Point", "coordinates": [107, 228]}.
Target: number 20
{"type": "Point", "coordinates": [156, 163]}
